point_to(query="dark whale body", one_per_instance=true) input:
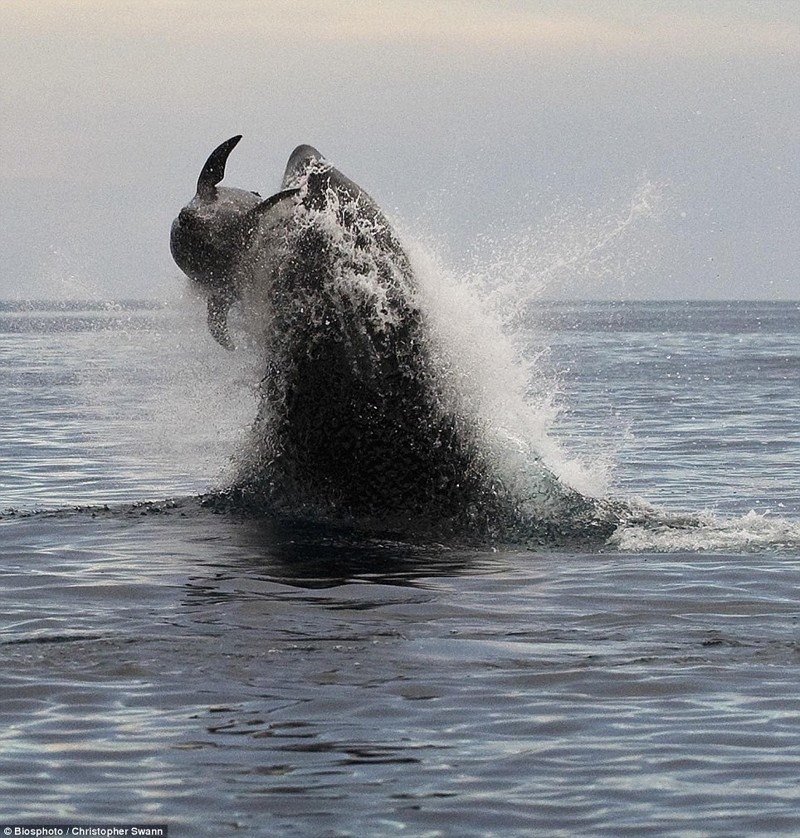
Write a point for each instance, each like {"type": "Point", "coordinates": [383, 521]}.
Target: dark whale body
{"type": "Point", "coordinates": [357, 421]}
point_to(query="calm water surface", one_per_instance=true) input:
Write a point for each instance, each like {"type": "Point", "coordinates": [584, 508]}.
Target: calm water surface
{"type": "Point", "coordinates": [163, 663]}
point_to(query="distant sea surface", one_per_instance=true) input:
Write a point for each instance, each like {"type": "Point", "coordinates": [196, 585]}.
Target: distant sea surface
{"type": "Point", "coordinates": [160, 663]}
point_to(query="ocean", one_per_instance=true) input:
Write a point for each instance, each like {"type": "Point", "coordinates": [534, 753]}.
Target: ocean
{"type": "Point", "coordinates": [164, 661]}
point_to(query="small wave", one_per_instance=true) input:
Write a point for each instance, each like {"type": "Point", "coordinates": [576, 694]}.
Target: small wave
{"type": "Point", "coordinates": [51, 638]}
{"type": "Point", "coordinates": [663, 532]}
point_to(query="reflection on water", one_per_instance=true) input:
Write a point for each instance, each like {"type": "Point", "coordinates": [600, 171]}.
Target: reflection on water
{"type": "Point", "coordinates": [200, 669]}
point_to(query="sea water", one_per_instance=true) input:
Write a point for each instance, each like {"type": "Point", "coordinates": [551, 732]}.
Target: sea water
{"type": "Point", "coordinates": [162, 663]}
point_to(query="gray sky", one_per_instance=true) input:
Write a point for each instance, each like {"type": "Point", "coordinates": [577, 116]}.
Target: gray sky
{"type": "Point", "coordinates": [645, 150]}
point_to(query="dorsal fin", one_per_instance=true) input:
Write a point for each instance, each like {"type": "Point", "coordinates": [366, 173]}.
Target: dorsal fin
{"type": "Point", "coordinates": [214, 169]}
{"type": "Point", "coordinates": [299, 161]}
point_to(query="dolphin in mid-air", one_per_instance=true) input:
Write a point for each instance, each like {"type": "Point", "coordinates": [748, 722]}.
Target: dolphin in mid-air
{"type": "Point", "coordinates": [212, 233]}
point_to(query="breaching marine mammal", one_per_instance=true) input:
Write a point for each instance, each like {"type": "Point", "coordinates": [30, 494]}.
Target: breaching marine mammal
{"type": "Point", "coordinates": [357, 422]}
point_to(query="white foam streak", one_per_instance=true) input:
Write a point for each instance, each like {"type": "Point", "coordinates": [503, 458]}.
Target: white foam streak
{"type": "Point", "coordinates": [707, 533]}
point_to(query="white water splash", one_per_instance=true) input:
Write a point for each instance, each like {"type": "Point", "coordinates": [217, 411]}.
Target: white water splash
{"type": "Point", "coordinates": [477, 315]}
{"type": "Point", "coordinates": [573, 253]}
{"type": "Point", "coordinates": [168, 400]}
